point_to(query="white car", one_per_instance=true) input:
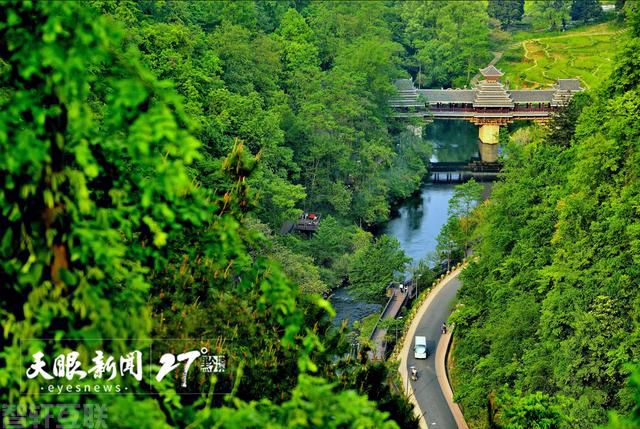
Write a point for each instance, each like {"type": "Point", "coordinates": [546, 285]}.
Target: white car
{"type": "Point", "coordinates": [420, 347]}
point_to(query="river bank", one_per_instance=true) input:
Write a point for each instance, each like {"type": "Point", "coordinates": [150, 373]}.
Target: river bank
{"type": "Point", "coordinates": [417, 221]}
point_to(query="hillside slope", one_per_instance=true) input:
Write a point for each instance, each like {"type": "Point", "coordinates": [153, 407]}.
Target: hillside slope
{"type": "Point", "coordinates": [550, 314]}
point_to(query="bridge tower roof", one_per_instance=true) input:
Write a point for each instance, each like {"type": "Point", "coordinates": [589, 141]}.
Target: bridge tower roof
{"type": "Point", "coordinates": [490, 92]}
{"type": "Point", "coordinates": [491, 71]}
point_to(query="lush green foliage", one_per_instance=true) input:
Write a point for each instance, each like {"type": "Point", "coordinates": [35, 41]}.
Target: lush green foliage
{"type": "Point", "coordinates": [118, 223]}
{"type": "Point", "coordinates": [450, 40]}
{"type": "Point", "coordinates": [533, 411]}
{"type": "Point", "coordinates": [149, 150]}
{"type": "Point", "coordinates": [373, 267]}
{"type": "Point", "coordinates": [551, 304]}
{"type": "Point", "coordinates": [552, 15]}
{"type": "Point", "coordinates": [584, 10]}
{"type": "Point", "coordinates": [633, 420]}
{"type": "Point", "coordinates": [506, 11]}
{"type": "Point", "coordinates": [314, 404]}
{"type": "Point", "coordinates": [94, 185]}
{"type": "Point", "coordinates": [455, 236]}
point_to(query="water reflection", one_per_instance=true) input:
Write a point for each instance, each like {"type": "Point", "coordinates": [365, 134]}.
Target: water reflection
{"type": "Point", "coordinates": [452, 141]}
{"type": "Point", "coordinates": [414, 209]}
{"type": "Point", "coordinates": [417, 229]}
{"type": "Point", "coordinates": [420, 218]}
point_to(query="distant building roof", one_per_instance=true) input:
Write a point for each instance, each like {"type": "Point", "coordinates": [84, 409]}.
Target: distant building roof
{"type": "Point", "coordinates": [448, 95]}
{"type": "Point", "coordinates": [407, 95]}
{"type": "Point", "coordinates": [491, 71]}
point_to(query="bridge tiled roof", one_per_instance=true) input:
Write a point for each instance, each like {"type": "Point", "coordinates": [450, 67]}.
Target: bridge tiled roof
{"type": "Point", "coordinates": [531, 96]}
{"type": "Point", "coordinates": [491, 93]}
{"type": "Point", "coordinates": [488, 93]}
{"type": "Point", "coordinates": [404, 84]}
{"type": "Point", "coordinates": [468, 96]}
{"type": "Point", "coordinates": [448, 95]}
{"type": "Point", "coordinates": [569, 85]}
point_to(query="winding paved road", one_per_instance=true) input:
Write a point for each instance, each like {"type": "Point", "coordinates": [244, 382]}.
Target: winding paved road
{"type": "Point", "coordinates": [426, 389]}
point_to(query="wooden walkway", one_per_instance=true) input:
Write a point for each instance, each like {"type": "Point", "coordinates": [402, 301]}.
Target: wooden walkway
{"type": "Point", "coordinates": [391, 310]}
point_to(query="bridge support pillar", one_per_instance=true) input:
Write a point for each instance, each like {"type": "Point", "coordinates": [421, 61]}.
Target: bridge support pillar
{"type": "Point", "coordinates": [488, 144]}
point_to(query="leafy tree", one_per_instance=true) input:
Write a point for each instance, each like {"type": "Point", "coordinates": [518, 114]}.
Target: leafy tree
{"type": "Point", "coordinates": [455, 235]}
{"type": "Point", "coordinates": [336, 23]}
{"type": "Point", "coordinates": [91, 197]}
{"type": "Point", "coordinates": [379, 384]}
{"type": "Point", "coordinates": [314, 404]}
{"type": "Point", "coordinates": [563, 125]}
{"type": "Point", "coordinates": [450, 39]}
{"type": "Point", "coordinates": [374, 266]}
{"type": "Point", "coordinates": [278, 198]}
{"type": "Point", "coordinates": [464, 198]}
{"type": "Point", "coordinates": [330, 241]}
{"type": "Point", "coordinates": [506, 11]}
{"type": "Point", "coordinates": [550, 14]}
{"type": "Point", "coordinates": [299, 56]}
{"type": "Point", "coordinates": [462, 202]}
{"type": "Point", "coordinates": [584, 10]}
{"type": "Point", "coordinates": [633, 419]}
{"type": "Point", "coordinates": [451, 242]}
{"type": "Point", "coordinates": [408, 166]}
{"type": "Point", "coordinates": [533, 411]}
{"type": "Point", "coordinates": [550, 305]}
{"type": "Point", "coordinates": [119, 223]}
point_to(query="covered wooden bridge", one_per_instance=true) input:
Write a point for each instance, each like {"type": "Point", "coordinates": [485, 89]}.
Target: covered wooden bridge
{"type": "Point", "coordinates": [490, 104]}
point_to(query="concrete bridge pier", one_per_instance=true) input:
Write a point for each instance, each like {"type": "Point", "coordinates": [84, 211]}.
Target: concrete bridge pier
{"type": "Point", "coordinates": [488, 142]}
{"type": "Point", "coordinates": [489, 104]}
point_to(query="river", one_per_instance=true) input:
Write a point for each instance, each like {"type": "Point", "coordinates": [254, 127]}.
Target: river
{"type": "Point", "coordinates": [418, 220]}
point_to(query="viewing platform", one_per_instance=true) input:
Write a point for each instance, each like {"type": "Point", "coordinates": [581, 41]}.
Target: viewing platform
{"type": "Point", "coordinates": [308, 222]}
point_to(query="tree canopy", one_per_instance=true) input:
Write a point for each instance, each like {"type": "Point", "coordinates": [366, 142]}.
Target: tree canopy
{"type": "Point", "coordinates": [506, 11]}
{"type": "Point", "coordinates": [152, 152]}
{"type": "Point", "coordinates": [550, 305]}
{"type": "Point", "coordinates": [584, 10]}
{"type": "Point", "coordinates": [131, 161]}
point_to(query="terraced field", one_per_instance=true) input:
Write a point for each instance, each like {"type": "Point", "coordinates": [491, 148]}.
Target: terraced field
{"type": "Point", "coordinates": [585, 54]}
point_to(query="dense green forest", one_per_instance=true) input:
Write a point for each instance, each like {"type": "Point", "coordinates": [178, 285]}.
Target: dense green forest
{"type": "Point", "coordinates": [150, 152]}
{"type": "Point", "coordinates": [549, 312]}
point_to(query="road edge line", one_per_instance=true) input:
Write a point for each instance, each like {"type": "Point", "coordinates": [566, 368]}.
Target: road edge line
{"type": "Point", "coordinates": [443, 378]}
{"type": "Point", "coordinates": [408, 338]}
